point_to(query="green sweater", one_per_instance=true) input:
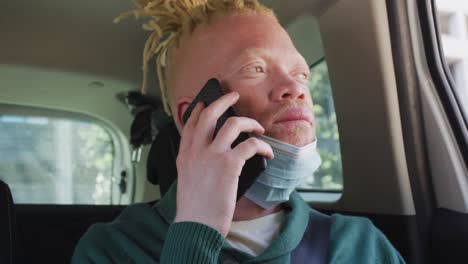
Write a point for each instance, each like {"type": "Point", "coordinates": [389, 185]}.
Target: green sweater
{"type": "Point", "coordinates": [144, 234]}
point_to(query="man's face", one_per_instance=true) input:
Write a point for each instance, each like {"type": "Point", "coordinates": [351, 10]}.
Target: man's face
{"type": "Point", "coordinates": [254, 56]}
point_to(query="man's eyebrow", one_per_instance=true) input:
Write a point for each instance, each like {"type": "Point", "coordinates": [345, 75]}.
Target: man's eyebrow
{"type": "Point", "coordinates": [250, 54]}
{"type": "Point", "coordinates": [245, 56]}
{"type": "Point", "coordinates": [258, 53]}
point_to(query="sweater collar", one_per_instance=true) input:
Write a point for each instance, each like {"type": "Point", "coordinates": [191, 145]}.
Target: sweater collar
{"type": "Point", "coordinates": [296, 222]}
{"type": "Point", "coordinates": [294, 227]}
{"type": "Point", "coordinates": [167, 205]}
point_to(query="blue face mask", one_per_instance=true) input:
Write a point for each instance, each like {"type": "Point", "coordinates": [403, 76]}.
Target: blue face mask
{"type": "Point", "coordinates": [290, 168]}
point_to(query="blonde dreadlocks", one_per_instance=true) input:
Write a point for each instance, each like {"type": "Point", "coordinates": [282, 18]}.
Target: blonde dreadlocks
{"type": "Point", "coordinates": [169, 19]}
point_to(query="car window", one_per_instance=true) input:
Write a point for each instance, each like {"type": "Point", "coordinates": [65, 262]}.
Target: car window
{"type": "Point", "coordinates": [452, 19]}
{"type": "Point", "coordinates": [329, 177]}
{"type": "Point", "coordinates": [305, 33]}
{"type": "Point", "coordinates": [58, 159]}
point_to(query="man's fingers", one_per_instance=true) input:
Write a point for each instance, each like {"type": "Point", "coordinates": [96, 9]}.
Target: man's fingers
{"type": "Point", "coordinates": [189, 127]}
{"type": "Point", "coordinates": [209, 116]}
{"type": "Point", "coordinates": [252, 146]}
{"type": "Point", "coordinates": [231, 130]}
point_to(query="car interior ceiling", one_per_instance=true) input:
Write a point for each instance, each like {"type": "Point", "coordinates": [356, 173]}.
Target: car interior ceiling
{"type": "Point", "coordinates": [381, 189]}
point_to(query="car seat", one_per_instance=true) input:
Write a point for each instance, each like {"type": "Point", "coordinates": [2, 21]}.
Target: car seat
{"type": "Point", "coordinates": [7, 226]}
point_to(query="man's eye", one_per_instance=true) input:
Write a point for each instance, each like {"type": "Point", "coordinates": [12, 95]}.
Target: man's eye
{"type": "Point", "coordinates": [255, 69]}
{"type": "Point", "coordinates": [302, 77]}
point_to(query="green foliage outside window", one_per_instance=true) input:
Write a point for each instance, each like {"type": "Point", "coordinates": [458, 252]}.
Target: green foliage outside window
{"type": "Point", "coordinates": [329, 176]}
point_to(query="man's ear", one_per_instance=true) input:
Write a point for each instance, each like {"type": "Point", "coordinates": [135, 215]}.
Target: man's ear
{"type": "Point", "coordinates": [181, 106]}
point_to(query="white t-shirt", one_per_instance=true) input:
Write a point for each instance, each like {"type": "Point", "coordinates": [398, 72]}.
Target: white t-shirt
{"type": "Point", "coordinates": [254, 236]}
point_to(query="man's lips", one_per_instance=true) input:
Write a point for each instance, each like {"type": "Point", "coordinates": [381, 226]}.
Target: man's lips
{"type": "Point", "coordinates": [294, 114]}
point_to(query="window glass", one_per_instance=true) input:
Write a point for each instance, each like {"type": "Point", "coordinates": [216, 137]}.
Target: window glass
{"type": "Point", "coordinates": [50, 160]}
{"type": "Point", "coordinates": [329, 177]}
{"type": "Point", "coordinates": [305, 34]}
{"type": "Point", "coordinates": [452, 19]}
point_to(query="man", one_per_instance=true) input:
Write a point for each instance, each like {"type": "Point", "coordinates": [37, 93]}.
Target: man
{"type": "Point", "coordinates": [199, 220]}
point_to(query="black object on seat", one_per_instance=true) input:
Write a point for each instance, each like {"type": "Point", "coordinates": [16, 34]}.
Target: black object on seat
{"type": "Point", "coordinates": [152, 126]}
{"type": "Point", "coordinates": [149, 117]}
{"type": "Point", "coordinates": [7, 226]}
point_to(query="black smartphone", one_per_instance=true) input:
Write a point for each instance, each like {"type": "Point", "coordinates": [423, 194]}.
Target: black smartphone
{"type": "Point", "coordinates": [255, 165]}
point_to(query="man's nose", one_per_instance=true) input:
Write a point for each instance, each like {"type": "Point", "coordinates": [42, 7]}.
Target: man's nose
{"type": "Point", "coordinates": [288, 89]}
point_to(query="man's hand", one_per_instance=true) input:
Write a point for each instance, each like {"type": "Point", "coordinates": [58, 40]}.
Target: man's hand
{"type": "Point", "coordinates": [208, 170]}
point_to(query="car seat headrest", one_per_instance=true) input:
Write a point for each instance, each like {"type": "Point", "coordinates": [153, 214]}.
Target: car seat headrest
{"type": "Point", "coordinates": [161, 166]}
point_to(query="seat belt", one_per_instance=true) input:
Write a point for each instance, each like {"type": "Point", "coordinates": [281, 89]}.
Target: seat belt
{"type": "Point", "coordinates": [314, 245]}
